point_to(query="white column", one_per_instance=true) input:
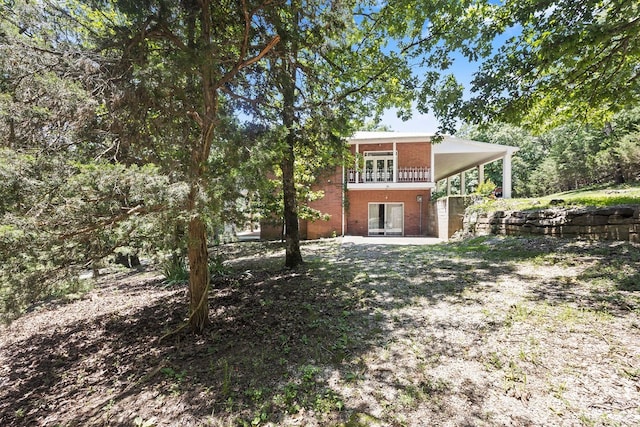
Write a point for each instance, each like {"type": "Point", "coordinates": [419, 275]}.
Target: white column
{"type": "Point", "coordinates": [463, 183]}
{"type": "Point", "coordinates": [480, 174]}
{"type": "Point", "coordinates": [432, 165]}
{"type": "Point", "coordinates": [506, 176]}
{"type": "Point", "coordinates": [356, 165]}
{"type": "Point", "coordinates": [395, 162]}
{"type": "Point", "coordinates": [449, 186]}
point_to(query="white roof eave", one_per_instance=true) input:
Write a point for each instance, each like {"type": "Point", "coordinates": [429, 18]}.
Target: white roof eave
{"type": "Point", "coordinates": [385, 137]}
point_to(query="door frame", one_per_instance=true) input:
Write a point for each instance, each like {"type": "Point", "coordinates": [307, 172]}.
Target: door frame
{"type": "Point", "coordinates": [386, 174]}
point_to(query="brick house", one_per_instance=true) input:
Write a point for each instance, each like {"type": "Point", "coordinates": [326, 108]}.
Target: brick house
{"type": "Point", "coordinates": [387, 191]}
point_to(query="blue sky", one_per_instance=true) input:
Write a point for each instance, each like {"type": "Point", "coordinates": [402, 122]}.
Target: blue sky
{"type": "Point", "coordinates": [418, 122]}
{"type": "Point", "coordinates": [463, 70]}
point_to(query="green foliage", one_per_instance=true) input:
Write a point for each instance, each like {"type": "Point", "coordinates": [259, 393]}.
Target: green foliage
{"type": "Point", "coordinates": [59, 217]}
{"type": "Point", "coordinates": [567, 157]}
{"type": "Point", "coordinates": [572, 61]}
{"type": "Point", "coordinates": [44, 101]}
{"type": "Point", "coordinates": [217, 267]}
{"type": "Point", "coordinates": [430, 36]}
{"type": "Point", "coordinates": [557, 62]}
{"type": "Point", "coordinates": [532, 151]}
{"type": "Point", "coordinates": [486, 188]}
{"type": "Point", "coordinates": [316, 91]}
{"type": "Point", "coordinates": [175, 270]}
{"type": "Point", "coordinates": [306, 392]}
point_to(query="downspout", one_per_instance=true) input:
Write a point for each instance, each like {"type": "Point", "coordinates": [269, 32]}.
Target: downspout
{"type": "Point", "coordinates": [420, 203]}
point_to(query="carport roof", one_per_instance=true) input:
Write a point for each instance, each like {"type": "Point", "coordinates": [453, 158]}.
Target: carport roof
{"type": "Point", "coordinates": [451, 155]}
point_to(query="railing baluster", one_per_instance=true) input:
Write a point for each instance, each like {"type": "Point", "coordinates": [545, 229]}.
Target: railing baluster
{"type": "Point", "coordinates": [411, 174]}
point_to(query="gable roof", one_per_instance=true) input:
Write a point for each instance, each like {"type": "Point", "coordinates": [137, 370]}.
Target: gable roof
{"type": "Point", "coordinates": [451, 156]}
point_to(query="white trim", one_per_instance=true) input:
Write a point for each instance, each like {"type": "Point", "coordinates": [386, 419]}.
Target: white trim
{"type": "Point", "coordinates": [388, 137]}
{"type": "Point", "coordinates": [374, 174]}
{"type": "Point", "coordinates": [357, 169]}
{"type": "Point", "coordinates": [377, 153]}
{"type": "Point", "coordinates": [390, 185]}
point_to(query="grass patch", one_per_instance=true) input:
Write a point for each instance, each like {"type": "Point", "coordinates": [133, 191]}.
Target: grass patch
{"type": "Point", "coordinates": [593, 197]}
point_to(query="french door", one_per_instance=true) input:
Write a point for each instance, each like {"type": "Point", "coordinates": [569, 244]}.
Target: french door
{"type": "Point", "coordinates": [386, 219]}
{"type": "Point", "coordinates": [378, 167]}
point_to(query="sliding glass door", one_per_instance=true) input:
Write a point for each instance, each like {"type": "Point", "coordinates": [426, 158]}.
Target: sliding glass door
{"type": "Point", "coordinates": [386, 219]}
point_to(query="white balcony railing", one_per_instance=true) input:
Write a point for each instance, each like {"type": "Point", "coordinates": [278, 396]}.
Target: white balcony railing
{"type": "Point", "coordinates": [417, 174]}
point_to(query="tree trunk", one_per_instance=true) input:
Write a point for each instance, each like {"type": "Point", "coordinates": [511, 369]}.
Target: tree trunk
{"type": "Point", "coordinates": [293, 256]}
{"type": "Point", "coordinates": [12, 134]}
{"type": "Point", "coordinates": [197, 231]}
{"type": "Point", "coordinates": [618, 173]}
{"type": "Point", "coordinates": [198, 275]}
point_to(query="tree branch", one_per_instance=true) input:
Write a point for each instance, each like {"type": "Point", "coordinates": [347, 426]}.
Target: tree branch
{"type": "Point", "coordinates": [243, 64]}
{"type": "Point", "coordinates": [140, 209]}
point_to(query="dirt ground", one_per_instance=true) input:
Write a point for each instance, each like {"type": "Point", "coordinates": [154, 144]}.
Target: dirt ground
{"type": "Point", "coordinates": [485, 332]}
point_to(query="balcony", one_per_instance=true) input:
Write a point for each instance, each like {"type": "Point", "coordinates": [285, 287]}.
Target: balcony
{"type": "Point", "coordinates": [402, 178]}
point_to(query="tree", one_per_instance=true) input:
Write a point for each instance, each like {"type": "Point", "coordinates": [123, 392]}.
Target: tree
{"type": "Point", "coordinates": [176, 62]}
{"type": "Point", "coordinates": [570, 60]}
{"type": "Point", "coordinates": [430, 36]}
{"type": "Point", "coordinates": [58, 213]}
{"type": "Point", "coordinates": [45, 99]}
{"type": "Point", "coordinates": [315, 91]}
{"type": "Point", "coordinates": [532, 151]}
{"type": "Point", "coordinates": [338, 64]}
{"type": "Point", "coordinates": [569, 156]}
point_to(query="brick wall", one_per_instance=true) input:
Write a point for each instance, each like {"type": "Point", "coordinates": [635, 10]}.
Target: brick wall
{"type": "Point", "coordinates": [330, 204]}
{"type": "Point", "coordinates": [415, 222]}
{"type": "Point", "coordinates": [358, 209]}
{"type": "Point", "coordinates": [410, 155]}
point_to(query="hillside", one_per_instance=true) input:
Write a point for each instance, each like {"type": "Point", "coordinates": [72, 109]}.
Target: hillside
{"type": "Point", "coordinates": [590, 197]}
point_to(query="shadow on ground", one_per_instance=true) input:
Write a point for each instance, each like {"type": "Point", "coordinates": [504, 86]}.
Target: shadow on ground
{"type": "Point", "coordinates": [279, 339]}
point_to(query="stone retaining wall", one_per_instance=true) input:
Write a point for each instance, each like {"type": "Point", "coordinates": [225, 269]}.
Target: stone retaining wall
{"type": "Point", "coordinates": [610, 223]}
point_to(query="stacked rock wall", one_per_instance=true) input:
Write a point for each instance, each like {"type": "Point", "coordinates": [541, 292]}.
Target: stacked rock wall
{"type": "Point", "coordinates": [610, 223]}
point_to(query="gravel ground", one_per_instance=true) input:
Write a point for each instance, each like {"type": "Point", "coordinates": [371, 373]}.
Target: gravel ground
{"type": "Point", "coordinates": [490, 331]}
